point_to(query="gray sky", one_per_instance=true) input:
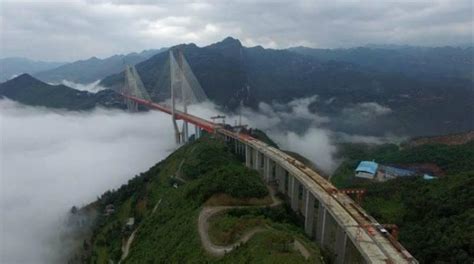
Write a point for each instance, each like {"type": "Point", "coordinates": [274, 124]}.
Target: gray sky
{"type": "Point", "coordinates": [78, 29]}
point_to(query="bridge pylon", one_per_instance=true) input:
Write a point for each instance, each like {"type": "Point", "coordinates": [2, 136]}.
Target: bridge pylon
{"type": "Point", "coordinates": [185, 89]}
{"type": "Point", "coordinates": [133, 86]}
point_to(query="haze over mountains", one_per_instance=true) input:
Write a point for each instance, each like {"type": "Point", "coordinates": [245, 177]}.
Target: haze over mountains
{"type": "Point", "coordinates": [93, 69]}
{"type": "Point", "coordinates": [13, 66]}
{"type": "Point", "coordinates": [82, 71]}
{"type": "Point", "coordinates": [406, 91]}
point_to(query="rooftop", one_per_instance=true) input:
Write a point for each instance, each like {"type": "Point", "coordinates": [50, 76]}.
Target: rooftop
{"type": "Point", "coordinates": [367, 166]}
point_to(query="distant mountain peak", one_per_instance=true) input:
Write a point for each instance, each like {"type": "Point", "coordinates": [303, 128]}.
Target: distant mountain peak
{"type": "Point", "coordinates": [229, 47]}
{"type": "Point", "coordinates": [228, 42]}
{"type": "Point", "coordinates": [25, 78]}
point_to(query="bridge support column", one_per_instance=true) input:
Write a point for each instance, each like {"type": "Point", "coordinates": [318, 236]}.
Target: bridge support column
{"type": "Point", "coordinates": [320, 227]}
{"type": "Point", "coordinates": [309, 213]}
{"type": "Point", "coordinates": [280, 175]}
{"type": "Point", "coordinates": [340, 245]}
{"type": "Point", "coordinates": [266, 168]}
{"type": "Point", "coordinates": [256, 163]}
{"type": "Point", "coordinates": [294, 193]}
{"type": "Point", "coordinates": [248, 156]}
{"type": "Point", "coordinates": [196, 132]}
{"type": "Point", "coordinates": [272, 170]}
{"type": "Point", "coordinates": [185, 132]}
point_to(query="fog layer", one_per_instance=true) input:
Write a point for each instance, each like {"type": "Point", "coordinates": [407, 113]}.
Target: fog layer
{"type": "Point", "coordinates": [53, 160]}
{"type": "Point", "coordinates": [92, 87]}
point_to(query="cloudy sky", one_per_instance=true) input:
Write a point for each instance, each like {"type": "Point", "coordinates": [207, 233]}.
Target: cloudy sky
{"type": "Point", "coordinates": [76, 29]}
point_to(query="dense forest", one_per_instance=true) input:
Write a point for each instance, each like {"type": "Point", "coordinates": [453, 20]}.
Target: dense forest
{"type": "Point", "coordinates": [436, 217]}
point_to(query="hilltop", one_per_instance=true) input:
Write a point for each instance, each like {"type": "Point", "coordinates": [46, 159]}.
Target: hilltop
{"type": "Point", "coordinates": [28, 90]}
{"type": "Point", "coordinates": [168, 201]}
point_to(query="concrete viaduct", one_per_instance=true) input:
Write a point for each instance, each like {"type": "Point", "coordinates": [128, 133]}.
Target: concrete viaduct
{"type": "Point", "coordinates": [331, 218]}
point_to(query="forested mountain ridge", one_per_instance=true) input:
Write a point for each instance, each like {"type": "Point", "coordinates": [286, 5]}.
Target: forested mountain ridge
{"type": "Point", "coordinates": [28, 90]}
{"type": "Point", "coordinates": [366, 97]}
{"type": "Point", "coordinates": [430, 62]}
{"type": "Point", "coordinates": [357, 99]}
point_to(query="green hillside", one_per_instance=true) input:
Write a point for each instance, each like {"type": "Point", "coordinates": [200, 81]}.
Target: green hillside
{"type": "Point", "coordinates": [436, 218]}
{"type": "Point", "coordinates": [30, 91]}
{"type": "Point", "coordinates": [166, 201]}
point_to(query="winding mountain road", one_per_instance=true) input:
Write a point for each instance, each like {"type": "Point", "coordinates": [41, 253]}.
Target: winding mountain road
{"type": "Point", "coordinates": [203, 226]}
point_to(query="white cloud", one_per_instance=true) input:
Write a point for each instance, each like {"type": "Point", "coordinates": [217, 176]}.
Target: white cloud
{"type": "Point", "coordinates": [366, 110]}
{"type": "Point", "coordinates": [92, 87]}
{"type": "Point", "coordinates": [51, 160]}
{"type": "Point", "coordinates": [101, 28]}
{"type": "Point", "coordinates": [313, 142]}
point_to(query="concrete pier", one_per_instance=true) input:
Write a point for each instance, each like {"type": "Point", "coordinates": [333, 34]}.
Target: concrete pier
{"type": "Point", "coordinates": [309, 213]}
{"type": "Point", "coordinates": [322, 214]}
{"type": "Point", "coordinates": [294, 193]}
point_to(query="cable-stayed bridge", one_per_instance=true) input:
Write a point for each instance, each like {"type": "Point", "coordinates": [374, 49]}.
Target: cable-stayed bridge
{"type": "Point", "coordinates": [331, 217]}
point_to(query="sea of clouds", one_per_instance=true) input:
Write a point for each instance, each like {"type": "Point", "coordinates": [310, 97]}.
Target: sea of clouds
{"type": "Point", "coordinates": [52, 160]}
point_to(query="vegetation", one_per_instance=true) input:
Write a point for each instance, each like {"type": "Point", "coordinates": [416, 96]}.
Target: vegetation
{"type": "Point", "coordinates": [279, 226]}
{"type": "Point", "coordinates": [225, 229]}
{"type": "Point", "coordinates": [452, 159]}
{"type": "Point", "coordinates": [166, 212]}
{"type": "Point", "coordinates": [260, 135]}
{"type": "Point", "coordinates": [232, 179]}
{"type": "Point", "coordinates": [28, 90]}
{"type": "Point", "coordinates": [435, 217]}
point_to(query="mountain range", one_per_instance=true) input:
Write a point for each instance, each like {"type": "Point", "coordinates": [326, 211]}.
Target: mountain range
{"type": "Point", "coordinates": [366, 98]}
{"type": "Point", "coordinates": [454, 62]}
{"type": "Point", "coordinates": [93, 69]}
{"type": "Point", "coordinates": [14, 66]}
{"type": "Point", "coordinates": [30, 91]}
{"type": "Point", "coordinates": [408, 91]}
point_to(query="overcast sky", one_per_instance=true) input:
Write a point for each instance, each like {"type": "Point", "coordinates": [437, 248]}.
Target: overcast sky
{"type": "Point", "coordinates": [69, 29]}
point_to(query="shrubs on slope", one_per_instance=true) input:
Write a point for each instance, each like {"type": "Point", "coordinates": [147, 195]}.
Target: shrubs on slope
{"type": "Point", "coordinates": [232, 179]}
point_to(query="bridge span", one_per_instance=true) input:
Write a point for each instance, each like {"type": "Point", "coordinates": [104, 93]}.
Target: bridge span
{"type": "Point", "coordinates": [331, 218]}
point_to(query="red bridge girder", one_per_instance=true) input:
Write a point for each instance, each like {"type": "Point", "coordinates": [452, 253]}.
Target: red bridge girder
{"type": "Point", "coordinates": [201, 123]}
